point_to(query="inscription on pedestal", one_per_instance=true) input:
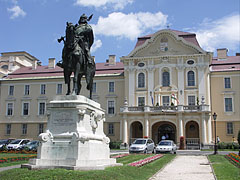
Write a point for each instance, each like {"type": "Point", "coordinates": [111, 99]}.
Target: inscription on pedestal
{"type": "Point", "coordinates": [63, 119]}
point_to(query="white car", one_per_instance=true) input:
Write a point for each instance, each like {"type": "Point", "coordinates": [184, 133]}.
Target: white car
{"type": "Point", "coordinates": [17, 144]}
{"type": "Point", "coordinates": [142, 145]}
{"type": "Point", "coordinates": [166, 146]}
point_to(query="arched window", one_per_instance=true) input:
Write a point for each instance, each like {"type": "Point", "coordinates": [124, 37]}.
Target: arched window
{"type": "Point", "coordinates": [141, 80]}
{"type": "Point", "coordinates": [165, 78]}
{"type": "Point", "coordinates": [191, 78]}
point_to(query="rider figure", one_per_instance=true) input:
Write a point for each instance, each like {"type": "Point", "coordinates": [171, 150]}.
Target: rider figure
{"type": "Point", "coordinates": [84, 33]}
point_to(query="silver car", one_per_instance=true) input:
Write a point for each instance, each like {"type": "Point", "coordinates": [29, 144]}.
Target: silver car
{"type": "Point", "coordinates": [166, 146]}
{"type": "Point", "coordinates": [142, 145]}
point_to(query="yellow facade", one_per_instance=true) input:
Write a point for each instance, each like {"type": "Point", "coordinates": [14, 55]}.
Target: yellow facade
{"type": "Point", "coordinates": [165, 86]}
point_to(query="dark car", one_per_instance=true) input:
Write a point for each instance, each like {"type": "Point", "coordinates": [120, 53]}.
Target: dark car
{"type": "Point", "coordinates": [4, 143]}
{"type": "Point", "coordinates": [31, 146]}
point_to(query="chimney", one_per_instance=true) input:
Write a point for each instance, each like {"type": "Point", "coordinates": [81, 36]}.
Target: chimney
{"type": "Point", "coordinates": [112, 59]}
{"type": "Point", "coordinates": [222, 54]}
{"type": "Point", "coordinates": [51, 63]}
{"type": "Point", "coordinates": [34, 65]}
{"type": "Point", "coordinates": [237, 54]}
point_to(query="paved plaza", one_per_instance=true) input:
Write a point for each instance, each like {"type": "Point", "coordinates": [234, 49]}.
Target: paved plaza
{"type": "Point", "coordinates": [186, 167]}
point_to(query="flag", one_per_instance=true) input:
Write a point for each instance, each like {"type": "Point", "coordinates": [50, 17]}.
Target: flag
{"type": "Point", "coordinates": [174, 98]}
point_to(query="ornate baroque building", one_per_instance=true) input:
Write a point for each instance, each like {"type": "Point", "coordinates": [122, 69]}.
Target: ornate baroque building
{"type": "Point", "coordinates": [167, 86]}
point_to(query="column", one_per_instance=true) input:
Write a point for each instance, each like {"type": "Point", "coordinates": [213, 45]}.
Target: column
{"type": "Point", "coordinates": [125, 133]}
{"type": "Point", "coordinates": [121, 129]}
{"type": "Point", "coordinates": [150, 85]}
{"type": "Point", "coordinates": [204, 140]}
{"type": "Point", "coordinates": [180, 124]}
{"type": "Point", "coordinates": [181, 84]}
{"type": "Point", "coordinates": [146, 126]}
{"type": "Point", "coordinates": [131, 89]}
{"type": "Point", "coordinates": [209, 130]}
{"type": "Point", "coordinates": [201, 78]}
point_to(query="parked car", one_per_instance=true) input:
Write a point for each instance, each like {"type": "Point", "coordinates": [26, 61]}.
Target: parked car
{"type": "Point", "coordinates": [30, 146]}
{"type": "Point", "coordinates": [166, 146]}
{"type": "Point", "coordinates": [4, 143]}
{"type": "Point", "coordinates": [142, 145]}
{"type": "Point", "coordinates": [16, 144]}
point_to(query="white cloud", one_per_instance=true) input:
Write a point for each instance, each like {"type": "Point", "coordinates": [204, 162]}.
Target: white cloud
{"type": "Point", "coordinates": [129, 26]}
{"type": "Point", "coordinates": [221, 33]}
{"type": "Point", "coordinates": [116, 4]}
{"type": "Point", "coordinates": [96, 45]}
{"type": "Point", "coordinates": [16, 12]}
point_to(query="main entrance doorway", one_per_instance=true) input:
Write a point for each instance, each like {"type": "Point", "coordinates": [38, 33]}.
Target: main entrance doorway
{"type": "Point", "coordinates": [136, 131]}
{"type": "Point", "coordinates": [163, 130]}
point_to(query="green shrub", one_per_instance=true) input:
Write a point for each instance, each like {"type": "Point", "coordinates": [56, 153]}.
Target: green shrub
{"type": "Point", "coordinates": [115, 144]}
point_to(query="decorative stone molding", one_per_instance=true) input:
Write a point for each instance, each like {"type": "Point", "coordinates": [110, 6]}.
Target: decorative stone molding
{"type": "Point", "coordinates": [45, 137]}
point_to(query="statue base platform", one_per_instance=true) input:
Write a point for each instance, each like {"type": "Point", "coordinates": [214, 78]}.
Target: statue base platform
{"type": "Point", "coordinates": [74, 138]}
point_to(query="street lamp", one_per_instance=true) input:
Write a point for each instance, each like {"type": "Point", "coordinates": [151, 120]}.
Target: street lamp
{"type": "Point", "coordinates": [215, 127]}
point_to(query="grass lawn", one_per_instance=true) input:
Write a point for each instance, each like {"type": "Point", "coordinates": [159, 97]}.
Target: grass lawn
{"type": "Point", "coordinates": [112, 173]}
{"type": "Point", "coordinates": [223, 169]}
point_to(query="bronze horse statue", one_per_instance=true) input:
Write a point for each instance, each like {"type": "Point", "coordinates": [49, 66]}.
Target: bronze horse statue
{"type": "Point", "coordinates": [74, 60]}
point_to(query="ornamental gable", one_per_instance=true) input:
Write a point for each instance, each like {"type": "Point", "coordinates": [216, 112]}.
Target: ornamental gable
{"type": "Point", "coordinates": [165, 43]}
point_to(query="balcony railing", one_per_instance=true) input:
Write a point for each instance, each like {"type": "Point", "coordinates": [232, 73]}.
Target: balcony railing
{"type": "Point", "coordinates": [163, 109]}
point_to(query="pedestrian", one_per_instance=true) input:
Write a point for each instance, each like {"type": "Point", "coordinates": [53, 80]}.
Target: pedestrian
{"type": "Point", "coordinates": [163, 137]}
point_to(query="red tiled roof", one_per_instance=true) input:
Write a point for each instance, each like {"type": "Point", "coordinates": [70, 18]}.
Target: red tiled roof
{"type": "Point", "coordinates": [232, 63]}
{"type": "Point", "coordinates": [44, 71]}
{"type": "Point", "coordinates": [190, 37]}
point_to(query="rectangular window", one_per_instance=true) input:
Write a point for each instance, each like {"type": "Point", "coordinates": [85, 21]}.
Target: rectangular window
{"type": "Point", "coordinates": [26, 90]}
{"type": "Point", "coordinates": [227, 82]}
{"type": "Point", "coordinates": [11, 90]}
{"type": "Point", "coordinates": [9, 109]}
{"type": "Point", "coordinates": [40, 128]}
{"type": "Point", "coordinates": [191, 100]}
{"type": "Point", "coordinates": [24, 128]}
{"type": "Point", "coordinates": [8, 129]}
{"type": "Point", "coordinates": [43, 89]}
{"type": "Point", "coordinates": [111, 87]}
{"type": "Point", "coordinates": [165, 100]}
{"type": "Point", "coordinates": [59, 88]}
{"type": "Point", "coordinates": [228, 105]}
{"type": "Point", "coordinates": [110, 128]}
{"type": "Point", "coordinates": [25, 109]}
{"type": "Point", "coordinates": [229, 128]}
{"type": "Point", "coordinates": [42, 106]}
{"type": "Point", "coordinates": [110, 107]}
{"type": "Point", "coordinates": [94, 88]}
{"type": "Point", "coordinates": [141, 101]}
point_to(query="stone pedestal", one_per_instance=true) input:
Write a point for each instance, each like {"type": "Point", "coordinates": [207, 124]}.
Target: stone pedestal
{"type": "Point", "coordinates": [74, 138]}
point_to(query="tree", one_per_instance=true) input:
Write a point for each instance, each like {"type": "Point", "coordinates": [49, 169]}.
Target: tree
{"type": "Point", "coordinates": [239, 142]}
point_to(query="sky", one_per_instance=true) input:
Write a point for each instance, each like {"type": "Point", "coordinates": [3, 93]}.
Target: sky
{"type": "Point", "coordinates": [35, 25]}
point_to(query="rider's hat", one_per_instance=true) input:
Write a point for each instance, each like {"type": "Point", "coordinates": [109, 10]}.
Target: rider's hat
{"type": "Point", "coordinates": [83, 19]}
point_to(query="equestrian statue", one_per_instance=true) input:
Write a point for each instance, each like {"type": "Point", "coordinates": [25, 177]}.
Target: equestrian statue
{"type": "Point", "coordinates": [76, 57]}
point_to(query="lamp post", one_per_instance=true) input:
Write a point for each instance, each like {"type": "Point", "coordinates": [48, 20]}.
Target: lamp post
{"type": "Point", "coordinates": [215, 130]}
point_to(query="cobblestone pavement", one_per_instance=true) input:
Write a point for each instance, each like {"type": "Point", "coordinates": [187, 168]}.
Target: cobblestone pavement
{"type": "Point", "coordinates": [9, 167]}
{"type": "Point", "coordinates": [188, 167]}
